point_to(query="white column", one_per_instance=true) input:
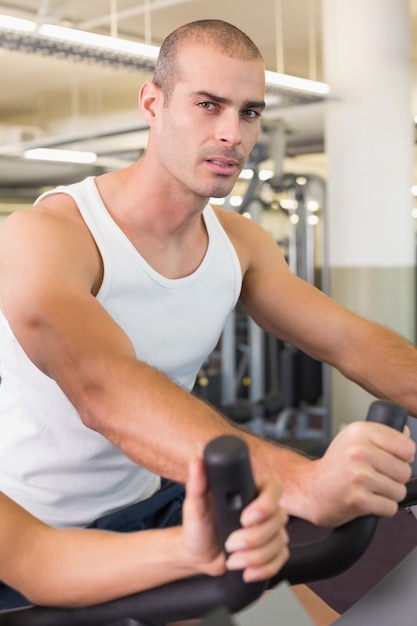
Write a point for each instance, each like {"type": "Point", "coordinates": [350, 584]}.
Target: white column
{"type": "Point", "coordinates": [369, 144]}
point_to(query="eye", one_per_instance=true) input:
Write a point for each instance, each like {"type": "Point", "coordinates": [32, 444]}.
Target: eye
{"type": "Point", "coordinates": [209, 106]}
{"type": "Point", "coordinates": [251, 113]}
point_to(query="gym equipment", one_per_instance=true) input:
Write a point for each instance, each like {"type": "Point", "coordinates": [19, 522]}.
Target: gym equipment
{"type": "Point", "coordinates": [270, 387]}
{"type": "Point", "coordinates": [230, 479]}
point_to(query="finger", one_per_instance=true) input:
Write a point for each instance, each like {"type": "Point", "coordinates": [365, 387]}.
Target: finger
{"type": "Point", "coordinates": [264, 505]}
{"type": "Point", "coordinates": [262, 561]}
{"type": "Point", "coordinates": [373, 492]}
{"type": "Point", "coordinates": [396, 443]}
{"type": "Point", "coordinates": [386, 487]}
{"type": "Point", "coordinates": [259, 555]}
{"type": "Point", "coordinates": [197, 503]}
{"type": "Point", "coordinates": [257, 535]}
{"type": "Point", "coordinates": [268, 570]}
{"type": "Point", "coordinates": [381, 506]}
{"type": "Point", "coordinates": [366, 462]}
{"type": "Point", "coordinates": [197, 479]}
{"type": "Point", "coordinates": [378, 450]}
{"type": "Point", "coordinates": [391, 466]}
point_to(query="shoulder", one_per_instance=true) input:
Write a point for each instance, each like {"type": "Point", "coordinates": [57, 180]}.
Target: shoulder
{"type": "Point", "coordinates": [48, 226]}
{"type": "Point", "coordinates": [51, 236]}
{"type": "Point", "coordinates": [238, 224]}
{"type": "Point", "coordinates": [251, 241]}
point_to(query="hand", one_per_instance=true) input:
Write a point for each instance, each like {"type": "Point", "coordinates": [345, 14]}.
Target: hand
{"type": "Point", "coordinates": [364, 470]}
{"type": "Point", "coordinates": [260, 547]}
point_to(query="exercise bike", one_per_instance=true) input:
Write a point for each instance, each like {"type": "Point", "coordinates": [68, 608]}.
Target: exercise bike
{"type": "Point", "coordinates": [227, 600]}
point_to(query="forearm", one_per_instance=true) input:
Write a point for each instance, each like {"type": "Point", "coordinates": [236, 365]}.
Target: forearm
{"type": "Point", "coordinates": [382, 362]}
{"type": "Point", "coordinates": [375, 357]}
{"type": "Point", "coordinates": [155, 422]}
{"type": "Point", "coordinates": [81, 567]}
{"type": "Point", "coordinates": [161, 426]}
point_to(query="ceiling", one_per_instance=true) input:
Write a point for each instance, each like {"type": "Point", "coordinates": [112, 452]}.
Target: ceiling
{"type": "Point", "coordinates": [45, 100]}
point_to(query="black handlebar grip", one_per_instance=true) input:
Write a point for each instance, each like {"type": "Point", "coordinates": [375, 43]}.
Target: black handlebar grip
{"type": "Point", "coordinates": [388, 413]}
{"type": "Point", "coordinates": [347, 543]}
{"type": "Point", "coordinates": [411, 495]}
{"type": "Point", "coordinates": [230, 480]}
{"type": "Point", "coordinates": [396, 416]}
{"type": "Point", "coordinates": [232, 487]}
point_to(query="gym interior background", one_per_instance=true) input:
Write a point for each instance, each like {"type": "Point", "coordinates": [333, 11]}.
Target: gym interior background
{"type": "Point", "coordinates": [333, 178]}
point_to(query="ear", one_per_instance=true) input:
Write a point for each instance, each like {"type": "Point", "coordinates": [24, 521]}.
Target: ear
{"type": "Point", "coordinates": [149, 97]}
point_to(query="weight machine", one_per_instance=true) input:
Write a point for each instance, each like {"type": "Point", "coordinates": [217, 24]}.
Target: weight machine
{"type": "Point", "coordinates": [273, 388]}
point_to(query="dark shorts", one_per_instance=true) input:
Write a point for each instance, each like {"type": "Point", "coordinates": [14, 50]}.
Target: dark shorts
{"type": "Point", "coordinates": [161, 510]}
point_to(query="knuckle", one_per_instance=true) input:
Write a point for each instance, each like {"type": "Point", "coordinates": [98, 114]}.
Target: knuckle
{"type": "Point", "coordinates": [358, 453]}
{"type": "Point", "coordinates": [356, 430]}
{"type": "Point", "coordinates": [359, 499]}
{"type": "Point", "coordinates": [360, 481]}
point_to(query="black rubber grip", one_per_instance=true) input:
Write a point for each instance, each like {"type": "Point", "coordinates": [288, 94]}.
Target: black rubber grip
{"type": "Point", "coordinates": [230, 480]}
{"type": "Point", "coordinates": [388, 413]}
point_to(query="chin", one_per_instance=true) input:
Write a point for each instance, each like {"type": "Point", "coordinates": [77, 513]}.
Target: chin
{"type": "Point", "coordinates": [212, 193]}
{"type": "Point", "coordinates": [221, 192]}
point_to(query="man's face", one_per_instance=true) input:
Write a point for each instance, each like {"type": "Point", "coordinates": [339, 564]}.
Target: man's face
{"type": "Point", "coordinates": [212, 121]}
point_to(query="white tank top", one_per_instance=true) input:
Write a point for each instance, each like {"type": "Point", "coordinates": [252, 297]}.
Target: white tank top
{"type": "Point", "coordinates": [50, 463]}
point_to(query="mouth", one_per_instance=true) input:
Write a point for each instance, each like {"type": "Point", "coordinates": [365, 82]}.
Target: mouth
{"type": "Point", "coordinates": [224, 162]}
{"type": "Point", "coordinates": [223, 166]}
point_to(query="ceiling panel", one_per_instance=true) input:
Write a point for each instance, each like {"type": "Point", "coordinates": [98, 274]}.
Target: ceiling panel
{"type": "Point", "coordinates": [44, 97]}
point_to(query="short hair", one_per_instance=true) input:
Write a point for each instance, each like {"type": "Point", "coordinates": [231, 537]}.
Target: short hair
{"type": "Point", "coordinates": [225, 37]}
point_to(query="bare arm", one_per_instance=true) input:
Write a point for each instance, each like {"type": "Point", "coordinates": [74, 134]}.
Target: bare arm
{"type": "Point", "coordinates": [71, 338]}
{"type": "Point", "coordinates": [375, 357]}
{"type": "Point", "coordinates": [77, 567]}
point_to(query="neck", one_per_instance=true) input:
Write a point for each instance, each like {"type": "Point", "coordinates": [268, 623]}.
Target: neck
{"type": "Point", "coordinates": [139, 203]}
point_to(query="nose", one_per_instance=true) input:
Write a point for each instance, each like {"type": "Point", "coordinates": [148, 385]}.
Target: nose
{"type": "Point", "coordinates": [228, 129]}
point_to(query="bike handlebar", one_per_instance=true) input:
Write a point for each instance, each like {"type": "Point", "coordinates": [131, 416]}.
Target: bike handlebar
{"type": "Point", "coordinates": [230, 479]}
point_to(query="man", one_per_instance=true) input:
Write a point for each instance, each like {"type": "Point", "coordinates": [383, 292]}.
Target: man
{"type": "Point", "coordinates": [114, 291]}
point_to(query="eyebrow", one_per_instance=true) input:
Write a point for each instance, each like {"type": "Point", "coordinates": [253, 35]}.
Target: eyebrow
{"type": "Point", "coordinates": [251, 104]}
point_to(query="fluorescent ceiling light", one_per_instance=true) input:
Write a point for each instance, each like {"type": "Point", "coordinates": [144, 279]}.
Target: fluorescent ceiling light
{"type": "Point", "coordinates": [17, 23]}
{"type": "Point", "coordinates": [66, 156]}
{"type": "Point", "coordinates": [140, 51]}
{"type": "Point", "coordinates": [293, 82]}
{"type": "Point", "coordinates": [98, 41]}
